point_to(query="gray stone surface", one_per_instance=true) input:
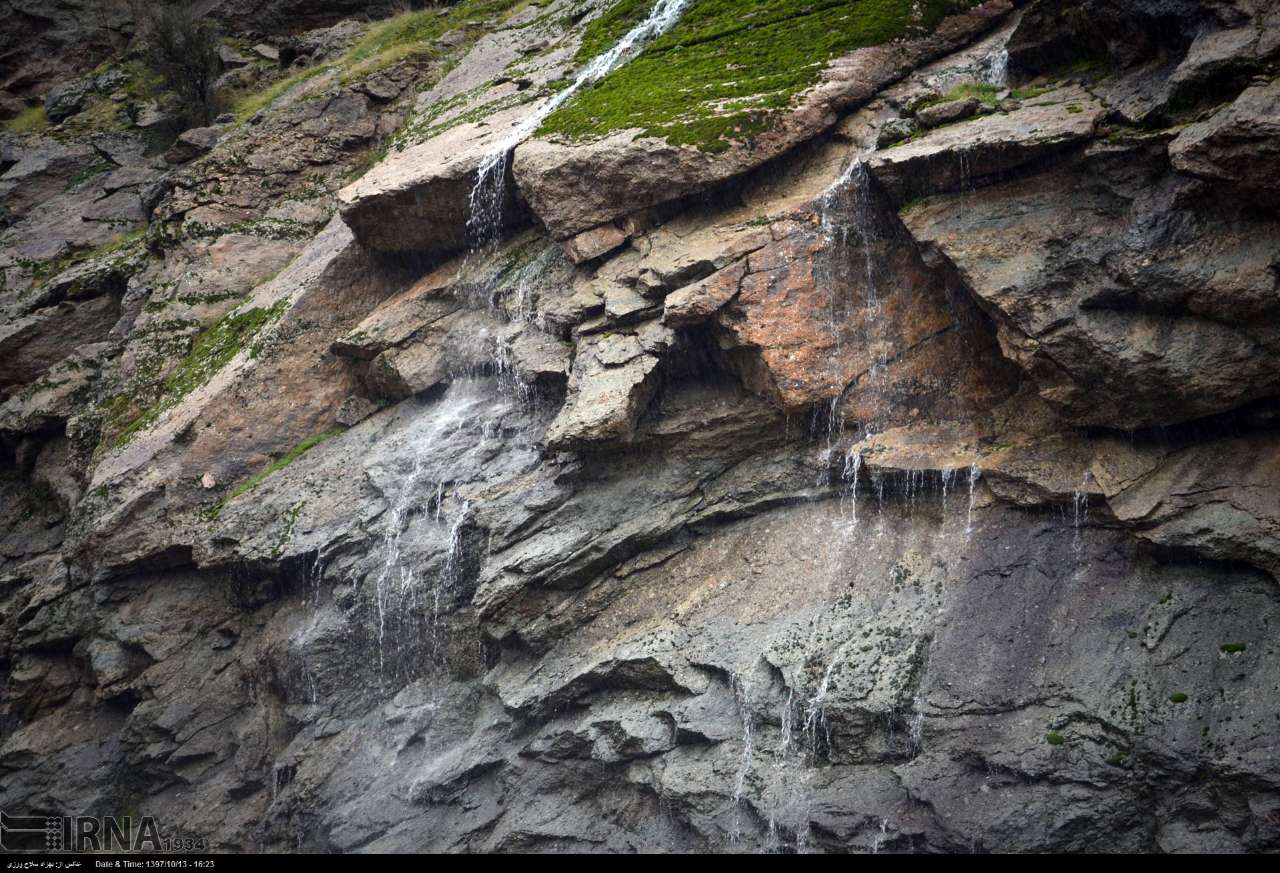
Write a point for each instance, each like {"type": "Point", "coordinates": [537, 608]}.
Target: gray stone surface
{"type": "Point", "coordinates": [927, 504]}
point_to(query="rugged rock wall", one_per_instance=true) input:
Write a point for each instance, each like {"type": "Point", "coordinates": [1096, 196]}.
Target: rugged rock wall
{"type": "Point", "coordinates": [874, 450]}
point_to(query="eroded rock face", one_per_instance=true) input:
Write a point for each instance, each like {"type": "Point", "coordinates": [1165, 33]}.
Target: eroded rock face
{"type": "Point", "coordinates": [612, 382]}
{"type": "Point", "coordinates": [429, 187]}
{"type": "Point", "coordinates": [1135, 298]}
{"type": "Point", "coordinates": [1239, 146]}
{"type": "Point", "coordinates": [955, 158]}
{"type": "Point", "coordinates": [916, 498]}
{"type": "Point", "coordinates": [1216, 498]}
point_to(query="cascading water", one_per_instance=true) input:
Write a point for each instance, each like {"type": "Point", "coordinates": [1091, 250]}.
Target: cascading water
{"type": "Point", "coordinates": [1080, 513]}
{"type": "Point", "coordinates": [397, 581]}
{"type": "Point", "coordinates": [452, 571]}
{"type": "Point", "coordinates": [998, 67]}
{"type": "Point", "coordinates": [846, 212]}
{"type": "Point", "coordinates": [740, 780]}
{"type": "Point", "coordinates": [485, 221]}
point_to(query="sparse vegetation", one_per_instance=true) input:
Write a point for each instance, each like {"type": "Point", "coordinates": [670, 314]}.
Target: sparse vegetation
{"type": "Point", "coordinates": [1234, 648]}
{"type": "Point", "coordinates": [1177, 697]}
{"type": "Point", "coordinates": [182, 47]}
{"type": "Point", "coordinates": [247, 105]}
{"type": "Point", "coordinates": [213, 349]}
{"type": "Point", "coordinates": [275, 466]}
{"type": "Point", "coordinates": [1054, 738]}
{"type": "Point", "coordinates": [1030, 92]}
{"type": "Point", "coordinates": [119, 249]}
{"type": "Point", "coordinates": [32, 120]}
{"type": "Point", "coordinates": [985, 93]}
{"type": "Point", "coordinates": [384, 44]}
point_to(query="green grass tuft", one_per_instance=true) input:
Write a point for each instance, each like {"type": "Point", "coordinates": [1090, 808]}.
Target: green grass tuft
{"type": "Point", "coordinates": [985, 93]}
{"type": "Point", "coordinates": [1054, 739]}
{"type": "Point", "coordinates": [246, 105]}
{"type": "Point", "coordinates": [274, 467]}
{"type": "Point", "coordinates": [1030, 92]}
{"type": "Point", "coordinates": [1234, 648]}
{"type": "Point", "coordinates": [33, 120]}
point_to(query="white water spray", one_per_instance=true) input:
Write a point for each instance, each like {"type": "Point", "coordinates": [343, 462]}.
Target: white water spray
{"type": "Point", "coordinates": [998, 68]}
{"type": "Point", "coordinates": [1079, 513]}
{"type": "Point", "coordinates": [394, 577]}
{"type": "Point", "coordinates": [740, 782]}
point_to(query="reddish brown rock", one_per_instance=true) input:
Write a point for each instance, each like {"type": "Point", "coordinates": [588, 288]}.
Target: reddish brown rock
{"type": "Point", "coordinates": [814, 320]}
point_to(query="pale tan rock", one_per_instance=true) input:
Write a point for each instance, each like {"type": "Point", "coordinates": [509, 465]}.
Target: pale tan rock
{"type": "Point", "coordinates": [593, 243]}
{"type": "Point", "coordinates": [698, 302]}
{"type": "Point", "coordinates": [958, 156]}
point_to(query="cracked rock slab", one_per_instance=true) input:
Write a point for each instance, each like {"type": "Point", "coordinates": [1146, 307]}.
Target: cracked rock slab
{"type": "Point", "coordinates": [612, 381]}
{"type": "Point", "coordinates": [956, 156]}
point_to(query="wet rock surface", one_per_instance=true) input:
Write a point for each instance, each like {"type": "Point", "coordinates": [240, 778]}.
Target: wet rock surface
{"type": "Point", "coordinates": [911, 488]}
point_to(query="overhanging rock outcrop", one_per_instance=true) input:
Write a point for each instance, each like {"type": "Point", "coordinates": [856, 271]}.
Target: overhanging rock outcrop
{"type": "Point", "coordinates": [427, 188]}
{"type": "Point", "coordinates": [573, 184]}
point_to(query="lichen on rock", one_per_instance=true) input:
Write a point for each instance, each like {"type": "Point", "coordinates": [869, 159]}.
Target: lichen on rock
{"type": "Point", "coordinates": [846, 426]}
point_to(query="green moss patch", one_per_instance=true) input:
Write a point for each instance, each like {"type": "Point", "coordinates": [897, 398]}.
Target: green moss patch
{"type": "Point", "coordinates": [212, 350]}
{"type": "Point", "coordinates": [33, 120]}
{"type": "Point", "coordinates": [1234, 648]}
{"type": "Point", "coordinates": [274, 467]}
{"type": "Point", "coordinates": [725, 73]}
{"type": "Point", "coordinates": [1177, 697]}
{"type": "Point", "coordinates": [1054, 739]}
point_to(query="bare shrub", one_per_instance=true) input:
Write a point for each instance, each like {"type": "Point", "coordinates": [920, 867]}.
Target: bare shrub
{"type": "Point", "coordinates": [182, 47]}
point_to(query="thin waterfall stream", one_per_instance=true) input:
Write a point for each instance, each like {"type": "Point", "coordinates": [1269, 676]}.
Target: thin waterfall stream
{"type": "Point", "coordinates": [485, 221]}
{"type": "Point", "coordinates": [397, 582]}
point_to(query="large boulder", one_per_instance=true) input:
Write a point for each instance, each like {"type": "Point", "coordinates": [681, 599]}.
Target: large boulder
{"type": "Point", "coordinates": [429, 178]}
{"type": "Point", "coordinates": [612, 380]}
{"type": "Point", "coordinates": [429, 188]}
{"type": "Point", "coordinates": [1237, 146]}
{"type": "Point", "coordinates": [958, 156]}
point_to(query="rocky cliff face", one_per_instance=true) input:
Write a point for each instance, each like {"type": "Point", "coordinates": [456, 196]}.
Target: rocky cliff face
{"type": "Point", "coordinates": [837, 426]}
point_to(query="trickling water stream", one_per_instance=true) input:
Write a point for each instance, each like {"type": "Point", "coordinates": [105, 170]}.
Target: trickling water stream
{"type": "Point", "coordinates": [397, 583]}
{"type": "Point", "coordinates": [485, 221]}
{"type": "Point", "coordinates": [998, 67]}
